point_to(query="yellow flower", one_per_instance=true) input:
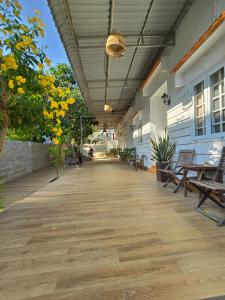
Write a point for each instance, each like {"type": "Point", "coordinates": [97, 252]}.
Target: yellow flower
{"type": "Point", "coordinates": [16, 12]}
{"type": "Point", "coordinates": [4, 67]}
{"type": "Point", "coordinates": [48, 115]}
{"type": "Point", "coordinates": [41, 24]}
{"type": "Point", "coordinates": [11, 84]}
{"type": "Point", "coordinates": [10, 62]}
{"type": "Point", "coordinates": [20, 79]}
{"type": "Point", "coordinates": [70, 100]}
{"type": "Point", "coordinates": [33, 48]}
{"type": "Point", "coordinates": [59, 122]}
{"type": "Point", "coordinates": [55, 141]}
{"type": "Point", "coordinates": [60, 113]}
{"type": "Point", "coordinates": [27, 40]}
{"type": "Point", "coordinates": [19, 46]}
{"type": "Point", "coordinates": [67, 91]}
{"type": "Point", "coordinates": [33, 20]}
{"type": "Point", "coordinates": [54, 104]}
{"type": "Point", "coordinates": [51, 79]}
{"type": "Point", "coordinates": [40, 66]}
{"type": "Point", "coordinates": [37, 12]}
{"type": "Point", "coordinates": [41, 31]}
{"type": "Point", "coordinates": [24, 27]}
{"type": "Point", "coordinates": [45, 113]}
{"type": "Point", "coordinates": [59, 132]}
{"type": "Point", "coordinates": [47, 61]}
{"type": "Point", "coordinates": [60, 92]}
{"type": "Point", "coordinates": [43, 80]}
{"type": "Point", "coordinates": [20, 91]}
{"type": "Point", "coordinates": [64, 105]}
{"type": "Point", "coordinates": [18, 5]}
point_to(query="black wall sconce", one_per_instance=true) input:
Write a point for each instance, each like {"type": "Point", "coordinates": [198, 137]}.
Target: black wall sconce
{"type": "Point", "coordinates": [166, 99]}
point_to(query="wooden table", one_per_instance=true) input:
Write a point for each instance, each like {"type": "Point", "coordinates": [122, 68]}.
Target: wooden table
{"type": "Point", "coordinates": [200, 169]}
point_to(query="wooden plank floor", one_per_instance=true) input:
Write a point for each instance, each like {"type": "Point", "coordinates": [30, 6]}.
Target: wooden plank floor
{"type": "Point", "coordinates": [106, 232]}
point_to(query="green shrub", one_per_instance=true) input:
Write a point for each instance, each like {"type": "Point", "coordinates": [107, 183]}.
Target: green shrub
{"type": "Point", "coordinates": [127, 153]}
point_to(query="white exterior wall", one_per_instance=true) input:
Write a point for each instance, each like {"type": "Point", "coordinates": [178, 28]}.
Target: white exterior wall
{"type": "Point", "coordinates": [140, 114]}
{"type": "Point", "coordinates": [181, 115]}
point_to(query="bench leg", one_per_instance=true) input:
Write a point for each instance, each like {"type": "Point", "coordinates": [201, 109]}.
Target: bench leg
{"type": "Point", "coordinates": [221, 223]}
{"type": "Point", "coordinates": [178, 187]}
{"type": "Point", "coordinates": [167, 182]}
{"type": "Point", "coordinates": [203, 198]}
{"type": "Point", "coordinates": [205, 195]}
{"type": "Point", "coordinates": [216, 201]}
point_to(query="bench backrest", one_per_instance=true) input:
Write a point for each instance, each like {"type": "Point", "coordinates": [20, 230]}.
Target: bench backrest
{"type": "Point", "coordinates": [221, 166]}
{"type": "Point", "coordinates": [185, 157]}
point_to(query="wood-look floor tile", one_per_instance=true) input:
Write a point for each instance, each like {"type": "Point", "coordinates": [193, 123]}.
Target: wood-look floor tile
{"type": "Point", "coordinates": [104, 232]}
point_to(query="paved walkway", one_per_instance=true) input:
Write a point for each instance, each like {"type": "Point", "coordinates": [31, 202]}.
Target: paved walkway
{"type": "Point", "coordinates": [105, 232]}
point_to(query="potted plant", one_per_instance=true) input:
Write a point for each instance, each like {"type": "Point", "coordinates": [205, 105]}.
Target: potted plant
{"type": "Point", "coordinates": [162, 152]}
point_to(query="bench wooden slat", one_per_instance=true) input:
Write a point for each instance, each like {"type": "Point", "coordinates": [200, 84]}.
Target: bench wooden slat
{"type": "Point", "coordinates": [209, 184]}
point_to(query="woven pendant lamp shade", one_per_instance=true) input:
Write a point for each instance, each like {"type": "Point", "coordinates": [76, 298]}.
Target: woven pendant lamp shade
{"type": "Point", "coordinates": [115, 45]}
{"type": "Point", "coordinates": [108, 108]}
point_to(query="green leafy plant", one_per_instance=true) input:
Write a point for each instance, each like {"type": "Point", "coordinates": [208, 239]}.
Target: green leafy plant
{"type": "Point", "coordinates": [68, 152]}
{"type": "Point", "coordinates": [127, 153]}
{"type": "Point", "coordinates": [55, 157]}
{"type": "Point", "coordinates": [163, 149]}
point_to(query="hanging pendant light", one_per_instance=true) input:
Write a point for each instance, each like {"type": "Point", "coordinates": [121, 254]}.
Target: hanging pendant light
{"type": "Point", "coordinates": [108, 107]}
{"type": "Point", "coordinates": [115, 45]}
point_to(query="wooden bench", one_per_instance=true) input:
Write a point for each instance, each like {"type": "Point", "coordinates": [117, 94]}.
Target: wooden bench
{"type": "Point", "coordinates": [213, 190]}
{"type": "Point", "coordinates": [184, 157]}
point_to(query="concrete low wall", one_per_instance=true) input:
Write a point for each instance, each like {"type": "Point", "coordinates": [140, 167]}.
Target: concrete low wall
{"type": "Point", "coordinates": [20, 158]}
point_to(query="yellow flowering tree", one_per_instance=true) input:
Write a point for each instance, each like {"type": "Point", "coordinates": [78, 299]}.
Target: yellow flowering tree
{"type": "Point", "coordinates": [55, 112]}
{"type": "Point", "coordinates": [28, 95]}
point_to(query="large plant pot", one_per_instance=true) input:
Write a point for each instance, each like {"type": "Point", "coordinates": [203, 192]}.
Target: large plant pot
{"type": "Point", "coordinates": [161, 177]}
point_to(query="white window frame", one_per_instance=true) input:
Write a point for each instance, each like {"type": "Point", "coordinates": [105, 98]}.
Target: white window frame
{"type": "Point", "coordinates": [221, 95]}
{"type": "Point", "coordinates": [140, 136]}
{"type": "Point", "coordinates": [196, 106]}
{"type": "Point", "coordinates": [198, 79]}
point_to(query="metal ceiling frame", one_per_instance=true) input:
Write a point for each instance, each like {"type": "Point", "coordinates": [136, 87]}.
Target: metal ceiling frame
{"type": "Point", "coordinates": [82, 81]}
{"type": "Point", "coordinates": [116, 86]}
{"type": "Point", "coordinates": [135, 51]}
{"type": "Point", "coordinates": [115, 80]}
{"type": "Point", "coordinates": [168, 36]}
{"type": "Point", "coordinates": [141, 45]}
{"type": "Point", "coordinates": [81, 42]}
{"type": "Point", "coordinates": [175, 24]}
{"type": "Point", "coordinates": [84, 37]}
{"type": "Point", "coordinates": [111, 16]}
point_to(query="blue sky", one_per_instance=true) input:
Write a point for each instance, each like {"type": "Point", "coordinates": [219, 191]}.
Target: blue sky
{"type": "Point", "coordinates": [55, 49]}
